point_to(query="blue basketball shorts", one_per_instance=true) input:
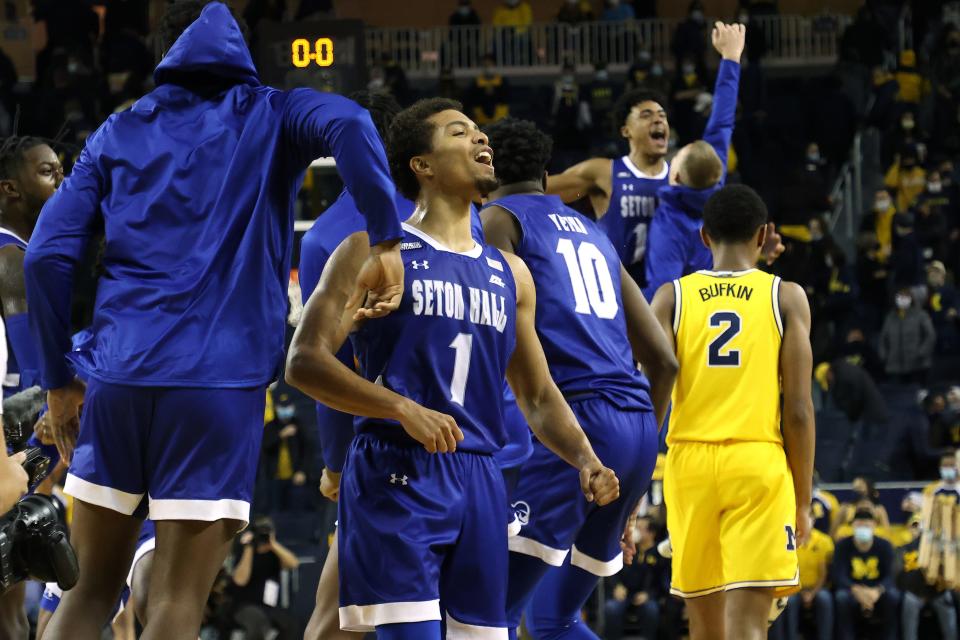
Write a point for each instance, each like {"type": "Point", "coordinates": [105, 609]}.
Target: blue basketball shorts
{"type": "Point", "coordinates": [419, 532]}
{"type": "Point", "coordinates": [170, 453]}
{"type": "Point", "coordinates": [557, 519]}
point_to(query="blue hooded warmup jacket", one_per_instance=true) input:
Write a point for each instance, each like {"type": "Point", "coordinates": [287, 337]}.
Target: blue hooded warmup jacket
{"type": "Point", "coordinates": [195, 186]}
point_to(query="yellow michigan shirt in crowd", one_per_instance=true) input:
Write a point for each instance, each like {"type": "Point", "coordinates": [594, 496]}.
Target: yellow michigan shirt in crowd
{"type": "Point", "coordinates": [731, 506]}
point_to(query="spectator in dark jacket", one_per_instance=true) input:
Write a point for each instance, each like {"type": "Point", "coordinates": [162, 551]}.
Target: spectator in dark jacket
{"type": "Point", "coordinates": [464, 16]}
{"type": "Point", "coordinates": [944, 421]}
{"type": "Point", "coordinates": [906, 259]}
{"type": "Point", "coordinates": [943, 305]}
{"type": "Point", "coordinates": [935, 212]}
{"type": "Point", "coordinates": [284, 455]}
{"type": "Point", "coordinates": [690, 38]}
{"type": "Point", "coordinates": [856, 350]}
{"type": "Point", "coordinates": [863, 576]}
{"type": "Point", "coordinates": [907, 340]}
{"type": "Point", "coordinates": [575, 12]}
{"type": "Point", "coordinates": [853, 391]}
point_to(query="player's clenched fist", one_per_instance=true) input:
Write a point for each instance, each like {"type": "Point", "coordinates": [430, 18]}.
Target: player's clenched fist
{"type": "Point", "coordinates": [599, 484]}
{"type": "Point", "coordinates": [436, 431]}
{"type": "Point", "coordinates": [729, 39]}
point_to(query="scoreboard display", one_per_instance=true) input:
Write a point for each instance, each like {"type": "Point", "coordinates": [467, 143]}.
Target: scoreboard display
{"type": "Point", "coordinates": [327, 55]}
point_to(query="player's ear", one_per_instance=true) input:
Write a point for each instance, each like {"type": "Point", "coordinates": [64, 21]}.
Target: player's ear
{"type": "Point", "coordinates": [704, 237]}
{"type": "Point", "coordinates": [543, 180]}
{"type": "Point", "coordinates": [8, 189]}
{"type": "Point", "coordinates": [624, 132]}
{"type": "Point", "coordinates": [420, 166]}
{"type": "Point", "coordinates": [762, 236]}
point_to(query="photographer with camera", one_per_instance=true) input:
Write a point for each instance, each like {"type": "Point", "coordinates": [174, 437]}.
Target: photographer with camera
{"type": "Point", "coordinates": [256, 584]}
{"type": "Point", "coordinates": [13, 478]}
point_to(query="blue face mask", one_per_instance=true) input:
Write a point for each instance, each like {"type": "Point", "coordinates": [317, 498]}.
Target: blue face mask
{"type": "Point", "coordinates": [948, 473]}
{"type": "Point", "coordinates": [863, 535]}
{"type": "Point", "coordinates": [286, 413]}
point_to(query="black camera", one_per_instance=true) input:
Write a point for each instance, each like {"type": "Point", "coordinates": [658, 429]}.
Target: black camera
{"type": "Point", "coordinates": [262, 532]}
{"type": "Point", "coordinates": [20, 413]}
{"type": "Point", "coordinates": [34, 544]}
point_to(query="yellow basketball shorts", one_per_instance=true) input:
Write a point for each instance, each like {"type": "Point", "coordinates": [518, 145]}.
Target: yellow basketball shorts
{"type": "Point", "coordinates": [731, 514]}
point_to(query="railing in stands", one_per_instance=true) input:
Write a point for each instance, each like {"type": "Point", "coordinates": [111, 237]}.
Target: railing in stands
{"type": "Point", "coordinates": [847, 198]}
{"type": "Point", "coordinates": [791, 40]}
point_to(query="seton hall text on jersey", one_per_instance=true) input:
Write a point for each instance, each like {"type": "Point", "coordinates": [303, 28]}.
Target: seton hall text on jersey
{"type": "Point", "coordinates": [637, 206]}
{"type": "Point", "coordinates": [726, 289]}
{"type": "Point", "coordinates": [445, 299]}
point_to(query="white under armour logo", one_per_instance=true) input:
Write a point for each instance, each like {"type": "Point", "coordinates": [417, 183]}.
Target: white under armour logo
{"type": "Point", "coordinates": [398, 479]}
{"type": "Point", "coordinates": [425, 264]}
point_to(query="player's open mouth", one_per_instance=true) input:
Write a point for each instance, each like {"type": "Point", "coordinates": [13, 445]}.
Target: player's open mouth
{"type": "Point", "coordinates": [485, 157]}
{"type": "Point", "coordinates": [658, 135]}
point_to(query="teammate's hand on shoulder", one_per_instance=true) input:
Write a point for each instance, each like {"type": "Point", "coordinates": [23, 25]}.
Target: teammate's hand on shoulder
{"type": "Point", "coordinates": [63, 416]}
{"type": "Point", "coordinates": [330, 485]}
{"type": "Point", "coordinates": [379, 283]}
{"type": "Point", "coordinates": [729, 40]}
{"type": "Point", "coordinates": [13, 480]}
{"type": "Point", "coordinates": [804, 524]}
{"type": "Point", "coordinates": [599, 484]}
{"type": "Point", "coordinates": [436, 431]}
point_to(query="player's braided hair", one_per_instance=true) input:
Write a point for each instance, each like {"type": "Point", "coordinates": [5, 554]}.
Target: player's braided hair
{"type": "Point", "coordinates": [521, 151]}
{"type": "Point", "coordinates": [626, 103]}
{"type": "Point", "coordinates": [179, 15]}
{"type": "Point", "coordinates": [411, 135]}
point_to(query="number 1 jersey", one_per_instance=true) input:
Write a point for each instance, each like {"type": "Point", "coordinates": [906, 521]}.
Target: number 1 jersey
{"type": "Point", "coordinates": [448, 345]}
{"type": "Point", "coordinates": [728, 332]}
{"type": "Point", "coordinates": [580, 318]}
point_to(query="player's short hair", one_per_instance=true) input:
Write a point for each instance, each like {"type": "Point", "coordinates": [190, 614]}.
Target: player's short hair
{"type": "Point", "coordinates": [702, 167]}
{"type": "Point", "coordinates": [733, 214]}
{"type": "Point", "coordinates": [630, 99]}
{"type": "Point", "coordinates": [521, 151]}
{"type": "Point", "coordinates": [12, 152]}
{"type": "Point", "coordinates": [383, 108]}
{"type": "Point", "coordinates": [864, 514]}
{"type": "Point", "coordinates": [412, 135]}
{"type": "Point", "coordinates": [180, 14]}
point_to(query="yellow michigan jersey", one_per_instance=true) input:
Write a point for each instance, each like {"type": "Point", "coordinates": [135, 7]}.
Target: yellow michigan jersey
{"type": "Point", "coordinates": [731, 509]}
{"type": "Point", "coordinates": [728, 331]}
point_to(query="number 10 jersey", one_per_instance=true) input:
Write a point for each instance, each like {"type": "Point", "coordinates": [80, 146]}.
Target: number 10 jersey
{"type": "Point", "coordinates": [728, 332]}
{"type": "Point", "coordinates": [580, 317]}
{"type": "Point", "coordinates": [448, 345]}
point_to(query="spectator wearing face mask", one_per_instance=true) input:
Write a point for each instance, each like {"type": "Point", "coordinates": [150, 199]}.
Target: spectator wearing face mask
{"type": "Point", "coordinates": [934, 210]}
{"type": "Point", "coordinates": [284, 455]}
{"type": "Point", "coordinates": [906, 177]}
{"type": "Point", "coordinates": [866, 495]}
{"type": "Point", "coordinates": [883, 212]}
{"type": "Point", "coordinates": [943, 305]}
{"type": "Point", "coordinates": [489, 96]}
{"type": "Point", "coordinates": [647, 73]}
{"type": "Point", "coordinates": [574, 12]}
{"type": "Point", "coordinates": [905, 137]}
{"type": "Point", "coordinates": [863, 575]}
{"type": "Point", "coordinates": [944, 422]}
{"type": "Point", "coordinates": [465, 15]}
{"type": "Point", "coordinates": [919, 593]}
{"type": "Point", "coordinates": [907, 340]}
{"type": "Point", "coordinates": [601, 94]}
{"type": "Point", "coordinates": [688, 86]}
{"type": "Point", "coordinates": [690, 38]}
{"type": "Point", "coordinates": [947, 485]}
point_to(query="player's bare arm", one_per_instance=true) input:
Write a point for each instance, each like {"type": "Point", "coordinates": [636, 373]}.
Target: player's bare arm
{"type": "Point", "coordinates": [583, 179]}
{"type": "Point", "coordinates": [313, 368]}
{"type": "Point", "coordinates": [662, 307]}
{"type": "Point", "coordinates": [651, 346]}
{"type": "Point", "coordinates": [541, 402]}
{"type": "Point", "coordinates": [796, 371]}
{"type": "Point", "coordinates": [500, 228]}
{"type": "Point", "coordinates": [13, 289]}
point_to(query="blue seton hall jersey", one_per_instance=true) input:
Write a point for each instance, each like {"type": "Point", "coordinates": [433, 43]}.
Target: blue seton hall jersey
{"type": "Point", "coordinates": [14, 382]}
{"type": "Point", "coordinates": [580, 316]}
{"type": "Point", "coordinates": [633, 201]}
{"type": "Point", "coordinates": [448, 345]}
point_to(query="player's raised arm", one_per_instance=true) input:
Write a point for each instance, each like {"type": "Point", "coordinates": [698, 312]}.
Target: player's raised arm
{"type": "Point", "coordinates": [728, 40]}
{"type": "Point", "coordinates": [320, 124]}
{"type": "Point", "coordinates": [796, 370]}
{"type": "Point", "coordinates": [580, 179]}
{"type": "Point", "coordinates": [312, 365]}
{"type": "Point", "coordinates": [652, 344]}
{"type": "Point", "coordinates": [544, 407]}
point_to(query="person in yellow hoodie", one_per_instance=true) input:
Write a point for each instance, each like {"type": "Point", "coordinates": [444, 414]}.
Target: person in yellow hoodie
{"type": "Point", "coordinates": [912, 87]}
{"type": "Point", "coordinates": [884, 210]}
{"type": "Point", "coordinates": [906, 177]}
